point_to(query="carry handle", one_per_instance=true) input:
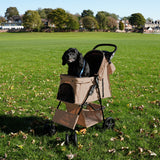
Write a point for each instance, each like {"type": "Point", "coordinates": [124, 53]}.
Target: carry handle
{"type": "Point", "coordinates": [112, 45]}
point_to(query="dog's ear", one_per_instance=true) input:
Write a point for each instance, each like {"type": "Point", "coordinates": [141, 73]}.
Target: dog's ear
{"type": "Point", "coordinates": [80, 57]}
{"type": "Point", "coordinates": [64, 58]}
{"type": "Point", "coordinates": [64, 61]}
{"type": "Point", "coordinates": [75, 50]}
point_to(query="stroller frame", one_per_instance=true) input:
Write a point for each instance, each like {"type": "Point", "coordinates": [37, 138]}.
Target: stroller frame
{"type": "Point", "coordinates": [81, 111]}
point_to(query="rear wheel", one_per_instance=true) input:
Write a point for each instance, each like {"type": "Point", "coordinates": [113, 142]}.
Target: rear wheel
{"type": "Point", "coordinates": [49, 129]}
{"type": "Point", "coordinates": [67, 139]}
{"type": "Point", "coordinates": [73, 138]}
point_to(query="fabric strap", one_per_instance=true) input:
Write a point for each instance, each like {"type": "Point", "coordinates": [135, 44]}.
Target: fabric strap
{"type": "Point", "coordinates": [84, 63]}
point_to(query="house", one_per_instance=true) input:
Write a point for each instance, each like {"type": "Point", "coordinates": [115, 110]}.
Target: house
{"type": "Point", "coordinates": [14, 22]}
{"type": "Point", "coordinates": [127, 26]}
{"type": "Point", "coordinates": [152, 26]}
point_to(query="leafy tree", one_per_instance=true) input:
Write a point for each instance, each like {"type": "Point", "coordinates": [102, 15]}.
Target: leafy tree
{"type": "Point", "coordinates": [47, 11]}
{"type": "Point", "coordinates": [101, 19]}
{"type": "Point", "coordinates": [42, 13]}
{"type": "Point", "coordinates": [137, 20]}
{"type": "Point", "coordinates": [87, 13]}
{"type": "Point", "coordinates": [111, 23]}
{"type": "Point", "coordinates": [114, 16]}
{"type": "Point", "coordinates": [10, 12]}
{"type": "Point", "coordinates": [104, 19]}
{"type": "Point", "coordinates": [78, 16]}
{"type": "Point", "coordinates": [72, 23]}
{"type": "Point", "coordinates": [125, 18]}
{"type": "Point", "coordinates": [32, 20]}
{"type": "Point", "coordinates": [2, 19]}
{"type": "Point", "coordinates": [121, 25]}
{"type": "Point", "coordinates": [107, 14]}
{"type": "Point", "coordinates": [58, 17]}
{"type": "Point", "coordinates": [90, 23]}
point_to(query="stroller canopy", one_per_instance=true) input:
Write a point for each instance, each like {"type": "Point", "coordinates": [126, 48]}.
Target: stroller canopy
{"type": "Point", "coordinates": [97, 59]}
{"type": "Point", "coordinates": [94, 59]}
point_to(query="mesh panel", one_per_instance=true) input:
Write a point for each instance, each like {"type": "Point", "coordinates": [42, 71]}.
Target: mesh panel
{"type": "Point", "coordinates": [66, 93]}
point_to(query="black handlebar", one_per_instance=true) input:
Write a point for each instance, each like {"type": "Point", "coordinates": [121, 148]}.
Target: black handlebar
{"type": "Point", "coordinates": [112, 45]}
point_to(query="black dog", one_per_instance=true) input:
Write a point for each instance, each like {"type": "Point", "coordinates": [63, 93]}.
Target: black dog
{"type": "Point", "coordinates": [77, 65]}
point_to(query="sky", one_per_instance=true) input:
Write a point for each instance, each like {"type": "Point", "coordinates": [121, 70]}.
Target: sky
{"type": "Point", "coordinates": [123, 8]}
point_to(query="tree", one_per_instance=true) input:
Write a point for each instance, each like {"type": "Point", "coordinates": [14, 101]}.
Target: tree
{"type": "Point", "coordinates": [58, 17]}
{"type": "Point", "coordinates": [111, 23]}
{"type": "Point", "coordinates": [101, 19]}
{"type": "Point", "coordinates": [42, 13]}
{"type": "Point", "coordinates": [90, 23]}
{"type": "Point", "coordinates": [72, 23]}
{"type": "Point", "coordinates": [137, 20]}
{"type": "Point", "coordinates": [47, 11]}
{"type": "Point", "coordinates": [2, 19]}
{"type": "Point", "coordinates": [32, 20]}
{"type": "Point", "coordinates": [10, 12]}
{"type": "Point", "coordinates": [121, 25]}
{"type": "Point", "coordinates": [87, 13]}
{"type": "Point", "coordinates": [125, 18]}
{"type": "Point", "coordinates": [114, 16]}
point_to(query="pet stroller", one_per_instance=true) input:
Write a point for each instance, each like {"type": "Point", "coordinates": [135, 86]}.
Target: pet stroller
{"type": "Point", "coordinates": [78, 94]}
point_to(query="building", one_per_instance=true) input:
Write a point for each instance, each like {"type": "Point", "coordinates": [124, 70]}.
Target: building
{"type": "Point", "coordinates": [13, 23]}
{"type": "Point", "coordinates": [152, 26]}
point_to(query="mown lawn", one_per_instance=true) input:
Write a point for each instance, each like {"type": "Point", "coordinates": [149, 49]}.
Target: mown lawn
{"type": "Point", "coordinates": [30, 65]}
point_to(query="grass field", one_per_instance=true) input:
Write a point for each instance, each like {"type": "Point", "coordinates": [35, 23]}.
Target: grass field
{"type": "Point", "coordinates": [30, 65]}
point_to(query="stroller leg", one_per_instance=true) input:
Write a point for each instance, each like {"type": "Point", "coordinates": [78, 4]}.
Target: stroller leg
{"type": "Point", "coordinates": [100, 100]}
{"type": "Point", "coordinates": [59, 104]}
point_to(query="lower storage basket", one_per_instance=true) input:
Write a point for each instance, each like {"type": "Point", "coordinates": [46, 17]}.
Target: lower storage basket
{"type": "Point", "coordinates": [66, 119]}
{"type": "Point", "coordinates": [88, 117]}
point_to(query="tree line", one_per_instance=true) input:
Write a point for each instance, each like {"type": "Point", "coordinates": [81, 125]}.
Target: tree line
{"type": "Point", "coordinates": [60, 20]}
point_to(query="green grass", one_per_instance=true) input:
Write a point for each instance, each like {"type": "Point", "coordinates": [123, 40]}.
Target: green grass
{"type": "Point", "coordinates": [30, 65]}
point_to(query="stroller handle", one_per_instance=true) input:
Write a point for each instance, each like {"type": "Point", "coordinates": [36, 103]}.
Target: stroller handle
{"type": "Point", "coordinates": [105, 44]}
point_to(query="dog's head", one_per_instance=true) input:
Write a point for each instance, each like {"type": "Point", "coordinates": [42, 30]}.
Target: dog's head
{"type": "Point", "coordinates": [70, 56]}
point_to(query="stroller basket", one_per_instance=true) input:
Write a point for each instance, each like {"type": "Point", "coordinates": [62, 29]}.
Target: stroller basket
{"type": "Point", "coordinates": [88, 117]}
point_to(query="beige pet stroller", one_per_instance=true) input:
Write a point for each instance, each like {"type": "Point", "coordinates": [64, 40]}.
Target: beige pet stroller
{"type": "Point", "coordinates": [78, 94]}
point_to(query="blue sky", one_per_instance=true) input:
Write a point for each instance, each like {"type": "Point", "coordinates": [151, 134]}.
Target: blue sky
{"type": "Point", "coordinates": [122, 8]}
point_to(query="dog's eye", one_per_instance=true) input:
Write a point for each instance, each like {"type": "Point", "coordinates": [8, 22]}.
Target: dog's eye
{"type": "Point", "coordinates": [72, 50]}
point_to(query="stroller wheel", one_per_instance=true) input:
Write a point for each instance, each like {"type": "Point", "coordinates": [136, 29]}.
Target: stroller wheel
{"type": "Point", "coordinates": [67, 139]}
{"type": "Point", "coordinates": [109, 123]}
{"type": "Point", "coordinates": [53, 130]}
{"type": "Point", "coordinates": [73, 138]}
{"type": "Point", "coordinates": [49, 129]}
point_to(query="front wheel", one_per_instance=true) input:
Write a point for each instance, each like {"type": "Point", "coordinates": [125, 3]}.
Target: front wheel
{"type": "Point", "coordinates": [74, 139]}
{"type": "Point", "coordinates": [67, 139]}
{"type": "Point", "coordinates": [109, 123]}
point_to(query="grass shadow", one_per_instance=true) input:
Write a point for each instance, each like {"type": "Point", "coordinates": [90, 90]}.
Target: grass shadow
{"type": "Point", "coordinates": [38, 125]}
{"type": "Point", "coordinates": [15, 124]}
